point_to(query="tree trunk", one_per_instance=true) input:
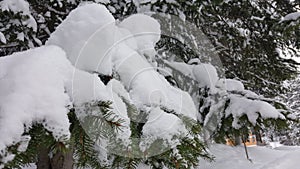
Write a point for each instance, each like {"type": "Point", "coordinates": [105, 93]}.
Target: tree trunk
{"type": "Point", "coordinates": [237, 140]}
{"type": "Point", "coordinates": [60, 160]}
{"type": "Point", "coordinates": [258, 137]}
{"type": "Point", "coordinates": [43, 159]}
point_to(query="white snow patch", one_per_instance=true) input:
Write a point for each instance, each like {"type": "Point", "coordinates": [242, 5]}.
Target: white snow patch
{"type": "Point", "coordinates": [2, 38]}
{"type": "Point", "coordinates": [162, 125]}
{"type": "Point", "coordinates": [227, 157]}
{"type": "Point", "coordinates": [234, 85]}
{"type": "Point", "coordinates": [239, 106]}
{"type": "Point", "coordinates": [32, 90]}
{"type": "Point", "coordinates": [291, 16]}
{"type": "Point", "coordinates": [85, 87]}
{"type": "Point", "coordinates": [146, 32]}
{"type": "Point", "coordinates": [21, 36]}
{"type": "Point", "coordinates": [84, 50]}
{"type": "Point", "coordinates": [205, 74]}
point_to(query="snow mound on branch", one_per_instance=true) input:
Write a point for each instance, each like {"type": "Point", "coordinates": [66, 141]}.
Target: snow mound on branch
{"type": "Point", "coordinates": [184, 68]}
{"type": "Point", "coordinates": [234, 85]}
{"type": "Point", "coordinates": [2, 38]}
{"type": "Point", "coordinates": [291, 16]}
{"type": "Point", "coordinates": [205, 74]}
{"type": "Point", "coordinates": [85, 87]}
{"type": "Point", "coordinates": [78, 29]}
{"type": "Point", "coordinates": [161, 125]}
{"type": "Point", "coordinates": [118, 88]}
{"type": "Point", "coordinates": [147, 32]}
{"type": "Point", "coordinates": [32, 90]}
{"type": "Point", "coordinates": [239, 106]}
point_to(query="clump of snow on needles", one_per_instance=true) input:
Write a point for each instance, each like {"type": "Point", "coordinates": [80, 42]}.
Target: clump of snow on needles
{"type": "Point", "coordinates": [77, 29]}
{"type": "Point", "coordinates": [32, 89]}
{"type": "Point", "coordinates": [169, 126]}
{"type": "Point", "coordinates": [146, 33]}
{"type": "Point", "coordinates": [234, 85]}
{"type": "Point", "coordinates": [239, 106]}
{"type": "Point", "coordinates": [2, 38]}
{"type": "Point", "coordinates": [205, 74]}
{"type": "Point", "coordinates": [291, 16]}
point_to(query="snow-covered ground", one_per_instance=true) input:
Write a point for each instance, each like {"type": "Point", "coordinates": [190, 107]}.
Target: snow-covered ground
{"type": "Point", "coordinates": [282, 157]}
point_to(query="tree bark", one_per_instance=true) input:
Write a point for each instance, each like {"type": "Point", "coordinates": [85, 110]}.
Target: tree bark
{"type": "Point", "coordinates": [258, 137]}
{"type": "Point", "coordinates": [43, 159]}
{"type": "Point", "coordinates": [237, 140]}
{"type": "Point", "coordinates": [60, 160]}
{"type": "Point", "coordinates": [63, 160]}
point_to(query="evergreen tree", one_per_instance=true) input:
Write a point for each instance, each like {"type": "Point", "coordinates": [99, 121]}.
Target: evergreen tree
{"type": "Point", "coordinates": [248, 36]}
{"type": "Point", "coordinates": [291, 98]}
